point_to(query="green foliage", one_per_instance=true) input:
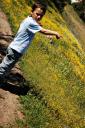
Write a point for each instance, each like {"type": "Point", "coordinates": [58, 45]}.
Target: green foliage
{"type": "Point", "coordinates": [52, 74]}
{"type": "Point", "coordinates": [37, 115]}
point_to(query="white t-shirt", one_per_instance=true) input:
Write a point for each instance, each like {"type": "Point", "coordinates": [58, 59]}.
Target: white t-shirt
{"type": "Point", "coordinates": [25, 34]}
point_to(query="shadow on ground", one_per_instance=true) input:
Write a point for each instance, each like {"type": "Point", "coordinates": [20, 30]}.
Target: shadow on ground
{"type": "Point", "coordinates": [18, 90]}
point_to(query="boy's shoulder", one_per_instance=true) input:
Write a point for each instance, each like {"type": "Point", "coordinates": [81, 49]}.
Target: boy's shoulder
{"type": "Point", "coordinates": [30, 19]}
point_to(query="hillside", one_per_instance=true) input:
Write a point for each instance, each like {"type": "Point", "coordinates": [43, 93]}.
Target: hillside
{"type": "Point", "coordinates": [54, 71]}
{"type": "Point", "coordinates": [75, 24]}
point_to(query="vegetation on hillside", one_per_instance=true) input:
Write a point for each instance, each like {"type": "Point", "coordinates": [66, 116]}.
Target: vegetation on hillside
{"type": "Point", "coordinates": [55, 72]}
{"type": "Point", "coordinates": [80, 9]}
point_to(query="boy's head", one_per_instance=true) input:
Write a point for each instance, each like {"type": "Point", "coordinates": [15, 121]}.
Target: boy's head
{"type": "Point", "coordinates": [38, 11]}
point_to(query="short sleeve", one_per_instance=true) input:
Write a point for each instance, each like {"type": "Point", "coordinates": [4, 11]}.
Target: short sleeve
{"type": "Point", "coordinates": [34, 28]}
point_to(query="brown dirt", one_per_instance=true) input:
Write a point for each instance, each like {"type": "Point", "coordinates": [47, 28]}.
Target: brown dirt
{"type": "Point", "coordinates": [9, 106]}
{"type": "Point", "coordinates": [9, 93]}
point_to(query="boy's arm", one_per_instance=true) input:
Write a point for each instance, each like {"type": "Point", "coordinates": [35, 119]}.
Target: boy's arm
{"type": "Point", "coordinates": [49, 32]}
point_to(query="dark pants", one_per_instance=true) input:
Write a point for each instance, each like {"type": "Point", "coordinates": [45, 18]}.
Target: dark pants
{"type": "Point", "coordinates": [9, 61]}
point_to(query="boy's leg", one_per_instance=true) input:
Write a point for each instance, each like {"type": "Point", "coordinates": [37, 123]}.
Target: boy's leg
{"type": "Point", "coordinates": [8, 62]}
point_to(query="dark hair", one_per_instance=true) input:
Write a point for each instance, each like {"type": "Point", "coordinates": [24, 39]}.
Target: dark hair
{"type": "Point", "coordinates": [41, 5]}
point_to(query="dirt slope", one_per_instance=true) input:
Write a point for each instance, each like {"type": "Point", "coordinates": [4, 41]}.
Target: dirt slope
{"type": "Point", "coordinates": [9, 93]}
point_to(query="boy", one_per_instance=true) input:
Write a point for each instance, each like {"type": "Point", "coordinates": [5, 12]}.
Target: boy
{"type": "Point", "coordinates": [23, 38]}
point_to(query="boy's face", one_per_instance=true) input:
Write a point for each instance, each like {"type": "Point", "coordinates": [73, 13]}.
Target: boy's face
{"type": "Point", "coordinates": [37, 14]}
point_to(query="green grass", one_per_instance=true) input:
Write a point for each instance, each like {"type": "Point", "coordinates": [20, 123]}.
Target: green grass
{"type": "Point", "coordinates": [52, 75]}
{"type": "Point", "coordinates": [55, 73]}
{"type": "Point", "coordinates": [37, 115]}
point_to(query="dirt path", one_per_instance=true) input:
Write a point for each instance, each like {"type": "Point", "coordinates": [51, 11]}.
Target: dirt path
{"type": "Point", "coordinates": [9, 93]}
{"type": "Point", "coordinates": [8, 107]}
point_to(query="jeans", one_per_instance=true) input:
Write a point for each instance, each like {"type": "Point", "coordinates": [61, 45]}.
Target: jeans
{"type": "Point", "coordinates": [9, 61]}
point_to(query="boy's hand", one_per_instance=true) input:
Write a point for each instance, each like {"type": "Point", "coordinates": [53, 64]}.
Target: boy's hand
{"type": "Point", "coordinates": [58, 36]}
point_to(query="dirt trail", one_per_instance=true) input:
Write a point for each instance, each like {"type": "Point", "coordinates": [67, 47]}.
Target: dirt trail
{"type": "Point", "coordinates": [9, 93]}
